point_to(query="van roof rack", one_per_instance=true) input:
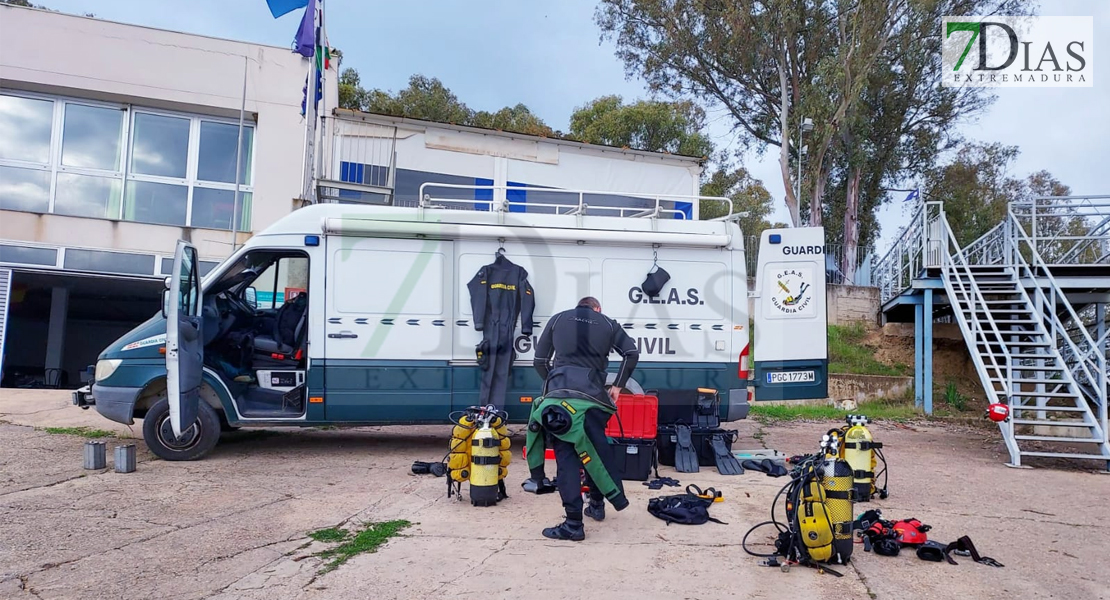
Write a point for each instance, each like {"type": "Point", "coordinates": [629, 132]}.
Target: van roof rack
{"type": "Point", "coordinates": [559, 201]}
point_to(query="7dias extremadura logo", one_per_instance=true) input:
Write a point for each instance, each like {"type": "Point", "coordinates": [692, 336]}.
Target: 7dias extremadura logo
{"type": "Point", "coordinates": [1018, 51]}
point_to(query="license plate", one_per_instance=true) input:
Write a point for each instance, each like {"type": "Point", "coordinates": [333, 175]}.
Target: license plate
{"type": "Point", "coordinates": [792, 377]}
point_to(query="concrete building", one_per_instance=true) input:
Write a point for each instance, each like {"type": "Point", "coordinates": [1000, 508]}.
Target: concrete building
{"type": "Point", "coordinates": [115, 141]}
{"type": "Point", "coordinates": [118, 140]}
{"type": "Point", "coordinates": [379, 158]}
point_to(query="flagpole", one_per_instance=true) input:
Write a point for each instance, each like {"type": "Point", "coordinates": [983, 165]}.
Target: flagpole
{"type": "Point", "coordinates": [308, 192]}
{"type": "Point", "coordinates": [321, 43]}
{"type": "Point", "coordinates": [238, 162]}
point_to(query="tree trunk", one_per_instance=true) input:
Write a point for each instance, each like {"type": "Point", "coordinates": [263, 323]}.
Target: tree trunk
{"type": "Point", "coordinates": [849, 260]}
{"type": "Point", "coordinates": [820, 178]}
{"type": "Point", "coordinates": [784, 148]}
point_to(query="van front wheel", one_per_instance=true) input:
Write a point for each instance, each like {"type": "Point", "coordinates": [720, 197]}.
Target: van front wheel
{"type": "Point", "coordinates": [194, 442]}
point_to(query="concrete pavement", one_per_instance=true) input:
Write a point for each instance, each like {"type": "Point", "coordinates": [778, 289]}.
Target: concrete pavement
{"type": "Point", "coordinates": [235, 524]}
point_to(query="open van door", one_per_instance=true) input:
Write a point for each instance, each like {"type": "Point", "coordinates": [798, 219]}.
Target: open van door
{"type": "Point", "coordinates": [791, 316]}
{"type": "Point", "coordinates": [184, 342]}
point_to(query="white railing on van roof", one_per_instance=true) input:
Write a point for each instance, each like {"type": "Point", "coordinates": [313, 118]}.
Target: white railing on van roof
{"type": "Point", "coordinates": [576, 201]}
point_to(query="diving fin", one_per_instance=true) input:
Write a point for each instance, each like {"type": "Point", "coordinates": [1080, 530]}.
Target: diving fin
{"type": "Point", "coordinates": [726, 461]}
{"type": "Point", "coordinates": [685, 455]}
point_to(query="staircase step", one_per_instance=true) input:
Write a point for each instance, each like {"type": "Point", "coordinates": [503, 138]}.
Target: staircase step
{"type": "Point", "coordinates": [1046, 438]}
{"type": "Point", "coordinates": [1022, 356]}
{"type": "Point", "coordinates": [1047, 408]}
{"type": "Point", "coordinates": [1044, 381]}
{"type": "Point", "coordinates": [1066, 455]}
{"type": "Point", "coordinates": [1007, 321]}
{"type": "Point", "coordinates": [1029, 394]}
{"type": "Point", "coordinates": [1050, 423]}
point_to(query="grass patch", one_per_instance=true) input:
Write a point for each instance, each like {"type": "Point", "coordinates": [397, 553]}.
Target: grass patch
{"type": "Point", "coordinates": [876, 409]}
{"type": "Point", "coordinates": [85, 432]}
{"type": "Point", "coordinates": [953, 397]}
{"type": "Point", "coordinates": [329, 535]}
{"type": "Point", "coordinates": [847, 354]}
{"type": "Point", "coordinates": [372, 536]}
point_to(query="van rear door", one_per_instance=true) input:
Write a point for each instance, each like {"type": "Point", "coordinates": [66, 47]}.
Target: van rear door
{"type": "Point", "coordinates": [184, 342]}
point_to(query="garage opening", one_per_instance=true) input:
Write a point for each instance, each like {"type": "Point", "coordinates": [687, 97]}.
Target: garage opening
{"type": "Point", "coordinates": [58, 323]}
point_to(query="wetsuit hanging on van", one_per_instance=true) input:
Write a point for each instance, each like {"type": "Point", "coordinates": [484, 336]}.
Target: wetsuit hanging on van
{"type": "Point", "coordinates": [575, 409]}
{"type": "Point", "coordinates": [499, 292]}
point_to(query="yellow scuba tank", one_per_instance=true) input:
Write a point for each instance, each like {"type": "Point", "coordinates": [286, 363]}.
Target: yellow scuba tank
{"type": "Point", "coordinates": [836, 482]}
{"type": "Point", "coordinates": [479, 455]}
{"type": "Point", "coordinates": [485, 461]}
{"type": "Point", "coordinates": [861, 451]}
{"type": "Point", "coordinates": [815, 524]}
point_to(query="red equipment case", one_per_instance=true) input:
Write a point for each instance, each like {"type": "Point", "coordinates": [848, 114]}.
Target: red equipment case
{"type": "Point", "coordinates": [639, 415]}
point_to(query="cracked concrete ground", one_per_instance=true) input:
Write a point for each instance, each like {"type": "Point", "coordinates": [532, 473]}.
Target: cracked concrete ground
{"type": "Point", "coordinates": [235, 524]}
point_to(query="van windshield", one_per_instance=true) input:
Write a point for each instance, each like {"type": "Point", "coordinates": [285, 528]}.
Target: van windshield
{"type": "Point", "coordinates": [246, 269]}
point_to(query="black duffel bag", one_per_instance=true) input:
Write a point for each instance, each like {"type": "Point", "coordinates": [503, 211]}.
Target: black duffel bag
{"type": "Point", "coordinates": [684, 509]}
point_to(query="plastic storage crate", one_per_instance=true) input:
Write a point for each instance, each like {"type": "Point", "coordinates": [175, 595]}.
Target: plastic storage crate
{"type": "Point", "coordinates": [639, 417]}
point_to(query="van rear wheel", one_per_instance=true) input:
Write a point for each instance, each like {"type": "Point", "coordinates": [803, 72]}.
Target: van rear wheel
{"type": "Point", "coordinates": [194, 442]}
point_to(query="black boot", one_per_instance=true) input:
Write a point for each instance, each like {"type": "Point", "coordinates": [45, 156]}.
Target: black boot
{"type": "Point", "coordinates": [567, 530]}
{"type": "Point", "coordinates": [595, 510]}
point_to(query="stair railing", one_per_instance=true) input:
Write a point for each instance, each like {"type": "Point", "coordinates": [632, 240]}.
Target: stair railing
{"type": "Point", "coordinates": [1090, 363]}
{"type": "Point", "coordinates": [976, 328]}
{"type": "Point", "coordinates": [895, 271]}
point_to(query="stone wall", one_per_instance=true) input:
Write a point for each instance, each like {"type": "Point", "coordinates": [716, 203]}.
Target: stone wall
{"type": "Point", "coordinates": [853, 304]}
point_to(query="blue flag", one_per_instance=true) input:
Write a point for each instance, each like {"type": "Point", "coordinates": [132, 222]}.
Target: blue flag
{"type": "Point", "coordinates": [281, 7]}
{"type": "Point", "coordinates": [912, 196]}
{"type": "Point", "coordinates": [306, 33]}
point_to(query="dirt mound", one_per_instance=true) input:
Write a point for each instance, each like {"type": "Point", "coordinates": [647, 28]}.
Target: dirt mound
{"type": "Point", "coordinates": [894, 345]}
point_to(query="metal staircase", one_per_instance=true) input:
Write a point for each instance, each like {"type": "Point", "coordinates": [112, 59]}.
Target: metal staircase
{"type": "Point", "coordinates": [1031, 349]}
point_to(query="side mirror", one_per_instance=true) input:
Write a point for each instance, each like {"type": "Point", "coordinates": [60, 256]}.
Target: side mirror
{"type": "Point", "coordinates": [250, 295]}
{"type": "Point", "coordinates": [165, 304]}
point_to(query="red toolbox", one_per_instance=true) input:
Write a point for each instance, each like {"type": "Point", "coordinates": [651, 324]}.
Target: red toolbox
{"type": "Point", "coordinates": [639, 416]}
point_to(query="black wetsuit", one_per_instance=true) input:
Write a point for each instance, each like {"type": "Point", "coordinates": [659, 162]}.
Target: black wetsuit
{"type": "Point", "coordinates": [580, 341]}
{"type": "Point", "coordinates": [499, 292]}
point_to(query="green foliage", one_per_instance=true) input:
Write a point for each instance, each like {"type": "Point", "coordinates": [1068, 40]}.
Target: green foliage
{"type": "Point", "coordinates": [428, 99]}
{"type": "Point", "coordinates": [848, 354]}
{"type": "Point", "coordinates": [329, 535]}
{"type": "Point", "coordinates": [351, 94]}
{"type": "Point", "coordinates": [884, 410]}
{"type": "Point", "coordinates": [975, 187]}
{"type": "Point", "coordinates": [866, 73]}
{"type": "Point", "coordinates": [953, 397]}
{"type": "Point", "coordinates": [515, 118]}
{"type": "Point", "coordinates": [85, 432]}
{"type": "Point", "coordinates": [747, 194]}
{"type": "Point", "coordinates": [651, 125]}
{"type": "Point", "coordinates": [368, 540]}
{"type": "Point", "coordinates": [425, 98]}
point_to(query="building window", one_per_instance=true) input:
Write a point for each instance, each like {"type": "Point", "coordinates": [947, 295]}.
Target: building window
{"type": "Point", "coordinates": [105, 161]}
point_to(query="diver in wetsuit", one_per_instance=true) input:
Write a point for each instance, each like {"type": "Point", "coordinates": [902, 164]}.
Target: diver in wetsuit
{"type": "Point", "coordinates": [574, 411]}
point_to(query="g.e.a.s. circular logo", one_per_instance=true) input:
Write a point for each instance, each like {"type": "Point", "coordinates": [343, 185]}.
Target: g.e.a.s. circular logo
{"type": "Point", "coordinates": [792, 290]}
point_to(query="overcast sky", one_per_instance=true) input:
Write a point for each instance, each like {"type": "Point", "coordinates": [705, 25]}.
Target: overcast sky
{"type": "Point", "coordinates": [548, 55]}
